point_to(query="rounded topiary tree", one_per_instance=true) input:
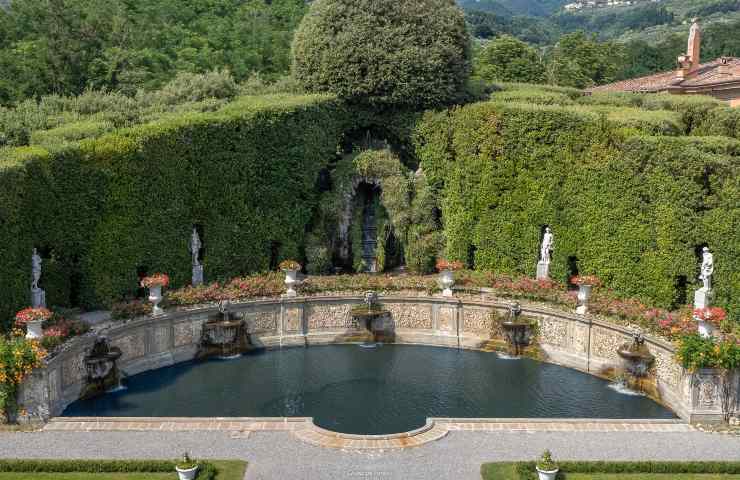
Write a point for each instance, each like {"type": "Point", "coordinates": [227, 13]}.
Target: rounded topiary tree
{"type": "Point", "coordinates": [410, 52]}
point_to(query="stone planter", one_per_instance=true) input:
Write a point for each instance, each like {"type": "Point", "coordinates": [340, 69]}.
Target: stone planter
{"type": "Point", "coordinates": [446, 280]}
{"type": "Point", "coordinates": [34, 330]}
{"type": "Point", "coordinates": [155, 298]}
{"type": "Point", "coordinates": [584, 293]}
{"type": "Point", "coordinates": [291, 279]}
{"type": "Point", "coordinates": [547, 474]}
{"type": "Point", "coordinates": [187, 474]}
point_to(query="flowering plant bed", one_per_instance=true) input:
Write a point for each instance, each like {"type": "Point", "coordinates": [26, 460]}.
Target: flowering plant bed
{"type": "Point", "coordinates": [592, 280]}
{"type": "Point", "coordinates": [32, 315]}
{"type": "Point", "coordinates": [289, 265]}
{"type": "Point", "coordinates": [713, 315]}
{"type": "Point", "coordinates": [629, 312]}
{"type": "Point", "coordinates": [18, 358]}
{"type": "Point", "coordinates": [695, 352]}
{"type": "Point", "coordinates": [443, 264]}
{"type": "Point", "coordinates": [156, 280]}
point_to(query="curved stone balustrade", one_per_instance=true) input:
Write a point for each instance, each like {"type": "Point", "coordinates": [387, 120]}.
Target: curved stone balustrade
{"type": "Point", "coordinates": [577, 341]}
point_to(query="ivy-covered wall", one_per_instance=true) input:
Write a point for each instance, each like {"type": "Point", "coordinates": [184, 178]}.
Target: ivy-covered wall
{"type": "Point", "coordinates": [630, 208]}
{"type": "Point", "coordinates": [110, 208]}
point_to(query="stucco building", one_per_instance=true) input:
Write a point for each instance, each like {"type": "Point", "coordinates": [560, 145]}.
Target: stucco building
{"type": "Point", "coordinates": [719, 78]}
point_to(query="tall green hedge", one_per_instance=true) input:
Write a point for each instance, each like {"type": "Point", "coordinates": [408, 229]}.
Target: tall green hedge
{"type": "Point", "coordinates": [104, 209]}
{"type": "Point", "coordinates": [631, 209]}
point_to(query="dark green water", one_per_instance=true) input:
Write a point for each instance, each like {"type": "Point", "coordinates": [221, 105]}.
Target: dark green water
{"type": "Point", "coordinates": [351, 389]}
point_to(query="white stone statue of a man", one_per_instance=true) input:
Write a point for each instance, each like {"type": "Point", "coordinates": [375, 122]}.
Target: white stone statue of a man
{"type": "Point", "coordinates": [548, 241]}
{"type": "Point", "coordinates": [195, 245]}
{"type": "Point", "coordinates": [707, 268]}
{"type": "Point", "coordinates": [35, 269]}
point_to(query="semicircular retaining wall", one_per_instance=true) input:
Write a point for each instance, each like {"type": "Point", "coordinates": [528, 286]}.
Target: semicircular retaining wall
{"type": "Point", "coordinates": [576, 341]}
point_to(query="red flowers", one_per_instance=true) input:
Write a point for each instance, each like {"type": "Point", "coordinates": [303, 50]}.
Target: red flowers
{"type": "Point", "coordinates": [32, 315]}
{"type": "Point", "coordinates": [714, 315]}
{"type": "Point", "coordinates": [443, 264]}
{"type": "Point", "coordinates": [156, 280]}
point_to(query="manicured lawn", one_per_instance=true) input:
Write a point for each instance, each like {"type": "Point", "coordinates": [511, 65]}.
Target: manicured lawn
{"type": "Point", "coordinates": [505, 471]}
{"type": "Point", "coordinates": [227, 470]}
{"type": "Point", "coordinates": [649, 476]}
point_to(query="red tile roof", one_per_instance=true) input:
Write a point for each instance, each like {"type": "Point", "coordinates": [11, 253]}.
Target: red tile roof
{"type": "Point", "coordinates": [719, 71]}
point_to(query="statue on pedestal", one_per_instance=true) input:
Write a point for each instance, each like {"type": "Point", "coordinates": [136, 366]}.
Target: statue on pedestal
{"type": "Point", "coordinates": [38, 296]}
{"type": "Point", "coordinates": [707, 269]}
{"type": "Point", "coordinates": [195, 246]}
{"type": "Point", "coordinates": [703, 296]}
{"type": "Point", "coordinates": [543, 266]}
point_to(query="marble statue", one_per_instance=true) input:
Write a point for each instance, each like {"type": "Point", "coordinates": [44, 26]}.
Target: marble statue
{"type": "Point", "coordinates": [35, 269]}
{"type": "Point", "coordinates": [195, 246]}
{"type": "Point", "coordinates": [543, 266]}
{"type": "Point", "coordinates": [707, 268]}
{"type": "Point", "coordinates": [38, 296]}
{"type": "Point", "coordinates": [703, 296]}
{"type": "Point", "coordinates": [548, 241]}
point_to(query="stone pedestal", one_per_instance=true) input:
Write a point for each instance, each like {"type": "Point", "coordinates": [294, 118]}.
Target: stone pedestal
{"type": "Point", "coordinates": [543, 270]}
{"type": "Point", "coordinates": [702, 298]}
{"type": "Point", "coordinates": [197, 275]}
{"type": "Point", "coordinates": [38, 298]}
{"type": "Point", "coordinates": [584, 293]}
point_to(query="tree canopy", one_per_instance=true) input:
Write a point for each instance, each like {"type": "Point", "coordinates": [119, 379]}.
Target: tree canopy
{"type": "Point", "coordinates": [414, 53]}
{"type": "Point", "coordinates": [507, 59]}
{"type": "Point", "coordinates": [68, 46]}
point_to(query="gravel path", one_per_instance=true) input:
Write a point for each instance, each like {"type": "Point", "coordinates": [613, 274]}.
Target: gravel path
{"type": "Point", "coordinates": [279, 456]}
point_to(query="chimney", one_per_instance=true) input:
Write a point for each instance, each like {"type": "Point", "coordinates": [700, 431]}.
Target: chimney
{"type": "Point", "coordinates": [689, 62]}
{"type": "Point", "coordinates": [694, 51]}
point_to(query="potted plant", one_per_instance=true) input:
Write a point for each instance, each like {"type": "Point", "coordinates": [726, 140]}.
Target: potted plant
{"type": "Point", "coordinates": [187, 468]}
{"type": "Point", "coordinates": [446, 277]}
{"type": "Point", "coordinates": [547, 469]}
{"type": "Point", "coordinates": [155, 283]}
{"type": "Point", "coordinates": [585, 284]}
{"type": "Point", "coordinates": [33, 319]}
{"type": "Point", "coordinates": [291, 269]}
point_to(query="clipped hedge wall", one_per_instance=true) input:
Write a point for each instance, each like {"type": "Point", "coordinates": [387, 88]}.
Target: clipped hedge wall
{"type": "Point", "coordinates": [526, 470]}
{"type": "Point", "coordinates": [630, 209]}
{"type": "Point", "coordinates": [207, 471]}
{"type": "Point", "coordinates": [102, 210]}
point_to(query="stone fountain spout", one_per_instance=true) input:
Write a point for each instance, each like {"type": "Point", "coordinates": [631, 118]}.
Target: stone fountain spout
{"type": "Point", "coordinates": [223, 337]}
{"type": "Point", "coordinates": [100, 364]}
{"type": "Point", "coordinates": [373, 317]}
{"type": "Point", "coordinates": [518, 332]}
{"type": "Point", "coordinates": [636, 356]}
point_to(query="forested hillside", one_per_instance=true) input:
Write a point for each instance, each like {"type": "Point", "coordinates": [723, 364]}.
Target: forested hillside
{"type": "Point", "coordinates": [68, 46]}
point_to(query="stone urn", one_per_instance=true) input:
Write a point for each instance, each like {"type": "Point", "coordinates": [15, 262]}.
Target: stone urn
{"type": "Point", "coordinates": [155, 298]}
{"type": "Point", "coordinates": [547, 474]}
{"type": "Point", "coordinates": [584, 293]}
{"type": "Point", "coordinates": [187, 473]}
{"type": "Point", "coordinates": [34, 330]}
{"type": "Point", "coordinates": [291, 279]}
{"type": "Point", "coordinates": [446, 280]}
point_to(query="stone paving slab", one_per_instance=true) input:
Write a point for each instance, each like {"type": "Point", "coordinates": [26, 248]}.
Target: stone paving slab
{"type": "Point", "coordinates": [305, 430]}
{"type": "Point", "coordinates": [279, 455]}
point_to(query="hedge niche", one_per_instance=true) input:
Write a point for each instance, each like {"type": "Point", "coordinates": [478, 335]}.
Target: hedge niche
{"type": "Point", "coordinates": [403, 213]}
{"type": "Point", "coordinates": [634, 210]}
{"type": "Point", "coordinates": [106, 210]}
